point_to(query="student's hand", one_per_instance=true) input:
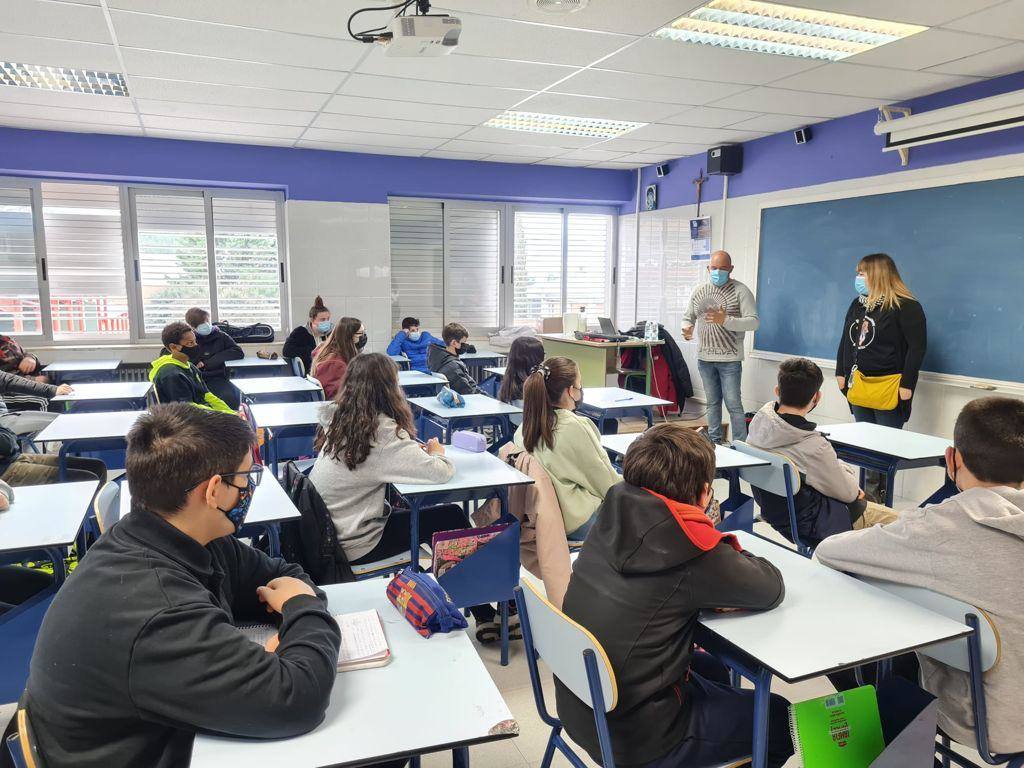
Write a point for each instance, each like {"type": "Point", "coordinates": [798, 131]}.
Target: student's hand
{"type": "Point", "coordinates": [200, 364]}
{"type": "Point", "coordinates": [688, 333]}
{"type": "Point", "coordinates": [726, 610]}
{"type": "Point", "coordinates": [841, 381]}
{"type": "Point", "coordinates": [64, 389]}
{"type": "Point", "coordinates": [280, 590]}
{"type": "Point", "coordinates": [434, 447]}
{"type": "Point", "coordinates": [5, 503]}
{"type": "Point", "coordinates": [272, 642]}
{"type": "Point", "coordinates": [27, 364]}
{"type": "Point", "coordinates": [906, 394]}
{"type": "Point", "coordinates": [715, 316]}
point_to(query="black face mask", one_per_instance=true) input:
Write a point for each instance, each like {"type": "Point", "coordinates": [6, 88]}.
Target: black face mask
{"type": "Point", "coordinates": [194, 354]}
{"type": "Point", "coordinates": [361, 342]}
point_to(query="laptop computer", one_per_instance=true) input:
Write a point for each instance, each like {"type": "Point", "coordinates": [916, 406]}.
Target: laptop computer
{"type": "Point", "coordinates": [608, 332]}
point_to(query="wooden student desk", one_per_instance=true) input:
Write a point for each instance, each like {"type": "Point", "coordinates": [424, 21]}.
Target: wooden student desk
{"type": "Point", "coordinates": [596, 359]}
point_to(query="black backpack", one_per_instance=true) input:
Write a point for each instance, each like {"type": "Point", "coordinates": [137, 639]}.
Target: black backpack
{"type": "Point", "coordinates": [257, 333]}
{"type": "Point", "coordinates": [312, 541]}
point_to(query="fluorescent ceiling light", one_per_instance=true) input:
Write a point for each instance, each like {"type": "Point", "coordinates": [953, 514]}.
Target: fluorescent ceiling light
{"type": "Point", "coordinates": [534, 122]}
{"type": "Point", "coordinates": [750, 25]}
{"type": "Point", "coordinates": [63, 79]}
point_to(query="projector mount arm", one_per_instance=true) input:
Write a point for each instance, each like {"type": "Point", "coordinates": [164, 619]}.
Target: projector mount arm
{"type": "Point", "coordinates": [379, 34]}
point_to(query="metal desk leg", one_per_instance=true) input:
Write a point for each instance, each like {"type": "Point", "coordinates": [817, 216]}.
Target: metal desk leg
{"type": "Point", "coordinates": [414, 533]}
{"type": "Point", "coordinates": [274, 539]}
{"type": "Point", "coordinates": [57, 555]}
{"type": "Point", "coordinates": [502, 494]}
{"type": "Point", "coordinates": [762, 699]}
{"type": "Point", "coordinates": [948, 489]}
{"type": "Point", "coordinates": [649, 413]}
{"type": "Point", "coordinates": [890, 484]}
{"type": "Point", "coordinates": [62, 455]}
{"type": "Point", "coordinates": [649, 363]}
{"type": "Point", "coordinates": [460, 757]}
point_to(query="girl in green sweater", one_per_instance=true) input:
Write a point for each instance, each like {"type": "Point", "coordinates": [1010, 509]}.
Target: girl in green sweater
{"type": "Point", "coordinates": [566, 445]}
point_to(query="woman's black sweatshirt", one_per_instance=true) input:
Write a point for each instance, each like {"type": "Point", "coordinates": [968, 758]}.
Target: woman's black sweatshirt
{"type": "Point", "coordinates": [894, 341]}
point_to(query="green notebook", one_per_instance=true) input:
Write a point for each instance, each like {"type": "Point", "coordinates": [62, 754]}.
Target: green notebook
{"type": "Point", "coordinates": [838, 731]}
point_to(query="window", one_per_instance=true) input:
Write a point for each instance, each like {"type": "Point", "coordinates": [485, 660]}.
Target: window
{"type": "Point", "coordinates": [472, 257]}
{"type": "Point", "coordinates": [417, 262]}
{"type": "Point", "coordinates": [537, 281]}
{"type": "Point", "coordinates": [84, 262]}
{"type": "Point", "coordinates": [588, 265]}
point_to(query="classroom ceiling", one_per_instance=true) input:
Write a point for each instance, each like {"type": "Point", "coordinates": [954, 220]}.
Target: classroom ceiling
{"type": "Point", "coordinates": [285, 73]}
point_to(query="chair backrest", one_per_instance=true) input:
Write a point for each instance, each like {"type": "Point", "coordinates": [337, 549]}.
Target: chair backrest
{"type": "Point", "coordinates": [298, 367]}
{"type": "Point", "coordinates": [560, 641]}
{"type": "Point", "coordinates": [952, 653]}
{"type": "Point", "coordinates": [21, 745]}
{"type": "Point", "coordinates": [107, 506]}
{"type": "Point", "coordinates": [770, 478]}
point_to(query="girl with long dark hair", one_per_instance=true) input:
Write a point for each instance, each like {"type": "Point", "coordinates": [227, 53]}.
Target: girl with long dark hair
{"type": "Point", "coordinates": [331, 359]}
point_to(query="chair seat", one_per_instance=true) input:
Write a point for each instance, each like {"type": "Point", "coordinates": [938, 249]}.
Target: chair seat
{"type": "Point", "coordinates": [377, 567]}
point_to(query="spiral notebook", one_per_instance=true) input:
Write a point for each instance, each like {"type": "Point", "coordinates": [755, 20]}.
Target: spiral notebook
{"type": "Point", "coordinates": [842, 730]}
{"type": "Point", "coordinates": [363, 644]}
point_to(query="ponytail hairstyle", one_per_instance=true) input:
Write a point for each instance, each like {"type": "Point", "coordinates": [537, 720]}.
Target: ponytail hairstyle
{"type": "Point", "coordinates": [525, 354]}
{"type": "Point", "coordinates": [542, 392]}
{"type": "Point", "coordinates": [341, 343]}
{"type": "Point", "coordinates": [317, 308]}
{"type": "Point", "coordinates": [884, 282]}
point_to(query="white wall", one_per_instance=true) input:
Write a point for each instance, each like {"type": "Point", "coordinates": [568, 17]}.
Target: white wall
{"type": "Point", "coordinates": [938, 399]}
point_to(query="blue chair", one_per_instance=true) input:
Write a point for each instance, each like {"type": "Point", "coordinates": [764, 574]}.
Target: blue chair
{"type": "Point", "coordinates": [780, 477]}
{"type": "Point", "coordinates": [975, 654]}
{"type": "Point", "coordinates": [106, 507]}
{"type": "Point", "coordinates": [298, 368]}
{"type": "Point", "coordinates": [21, 745]}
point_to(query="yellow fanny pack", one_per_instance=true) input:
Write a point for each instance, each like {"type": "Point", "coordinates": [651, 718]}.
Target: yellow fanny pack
{"type": "Point", "coordinates": [881, 393]}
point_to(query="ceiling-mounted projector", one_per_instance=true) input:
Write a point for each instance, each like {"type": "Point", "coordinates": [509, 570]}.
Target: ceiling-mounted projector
{"type": "Point", "coordinates": [558, 6]}
{"type": "Point", "coordinates": [423, 36]}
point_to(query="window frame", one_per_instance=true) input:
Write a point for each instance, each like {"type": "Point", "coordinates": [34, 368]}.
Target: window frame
{"type": "Point", "coordinates": [127, 193]}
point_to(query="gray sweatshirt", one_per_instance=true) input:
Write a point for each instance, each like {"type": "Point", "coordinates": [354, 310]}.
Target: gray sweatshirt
{"type": "Point", "coordinates": [969, 547]}
{"type": "Point", "coordinates": [355, 497]}
{"type": "Point", "coordinates": [722, 343]}
{"type": "Point", "coordinates": [812, 453]}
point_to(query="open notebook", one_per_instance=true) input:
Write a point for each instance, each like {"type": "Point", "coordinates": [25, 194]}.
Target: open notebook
{"type": "Point", "coordinates": [363, 644]}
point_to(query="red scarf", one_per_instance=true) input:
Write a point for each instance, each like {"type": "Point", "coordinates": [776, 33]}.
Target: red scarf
{"type": "Point", "coordinates": [697, 525]}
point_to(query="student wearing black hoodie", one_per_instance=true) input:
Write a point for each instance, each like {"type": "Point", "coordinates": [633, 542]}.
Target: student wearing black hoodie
{"type": "Point", "coordinates": [445, 360]}
{"type": "Point", "coordinates": [651, 564]}
{"type": "Point", "coordinates": [215, 349]}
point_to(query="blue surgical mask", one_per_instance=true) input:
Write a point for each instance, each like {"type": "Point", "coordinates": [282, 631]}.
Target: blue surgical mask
{"type": "Point", "coordinates": [861, 284]}
{"type": "Point", "coordinates": [719, 277]}
{"type": "Point", "coordinates": [415, 335]}
{"type": "Point", "coordinates": [204, 329]}
{"type": "Point", "coordinates": [324, 326]}
{"type": "Point", "coordinates": [238, 512]}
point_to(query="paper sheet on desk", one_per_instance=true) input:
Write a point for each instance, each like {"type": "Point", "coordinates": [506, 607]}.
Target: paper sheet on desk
{"type": "Point", "coordinates": [363, 644]}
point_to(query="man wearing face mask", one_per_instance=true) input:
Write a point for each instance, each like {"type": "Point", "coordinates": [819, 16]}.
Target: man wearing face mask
{"type": "Point", "coordinates": [174, 374]}
{"type": "Point", "coordinates": [413, 342]}
{"type": "Point", "coordinates": [723, 311]}
{"type": "Point", "coordinates": [140, 649]}
{"type": "Point", "coordinates": [216, 348]}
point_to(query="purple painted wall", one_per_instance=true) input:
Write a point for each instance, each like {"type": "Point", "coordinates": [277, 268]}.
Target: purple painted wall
{"type": "Point", "coordinates": [845, 148]}
{"type": "Point", "coordinates": [304, 174]}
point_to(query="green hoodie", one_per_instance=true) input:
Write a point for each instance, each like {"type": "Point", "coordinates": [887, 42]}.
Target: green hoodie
{"type": "Point", "coordinates": [176, 381]}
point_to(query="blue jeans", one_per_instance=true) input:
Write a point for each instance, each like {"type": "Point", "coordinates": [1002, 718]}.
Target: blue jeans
{"type": "Point", "coordinates": [581, 533]}
{"type": "Point", "coordinates": [722, 382]}
{"type": "Point", "coordinates": [893, 418]}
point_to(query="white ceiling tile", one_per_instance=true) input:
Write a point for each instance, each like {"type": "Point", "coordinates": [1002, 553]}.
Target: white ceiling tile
{"type": "Point", "coordinates": [445, 155]}
{"type": "Point", "coordinates": [490, 148]}
{"type": "Point", "coordinates": [598, 107]}
{"type": "Point", "coordinates": [221, 112]}
{"type": "Point", "coordinates": [679, 150]}
{"type": "Point", "coordinates": [504, 38]}
{"type": "Point", "coordinates": [669, 90]}
{"type": "Point", "coordinates": [67, 99]}
{"type": "Point", "coordinates": [67, 22]}
{"type": "Point", "coordinates": [228, 95]}
{"type": "Point", "coordinates": [159, 33]}
{"type": "Point", "coordinates": [928, 13]}
{"type": "Point", "coordinates": [617, 166]}
{"type": "Point", "coordinates": [926, 49]}
{"type": "Point", "coordinates": [205, 69]}
{"type": "Point", "coordinates": [503, 136]}
{"type": "Point", "coordinates": [519, 159]}
{"type": "Point", "coordinates": [626, 144]}
{"type": "Point", "coordinates": [366, 149]}
{"type": "Point", "coordinates": [221, 138]}
{"type": "Point", "coordinates": [58, 53]}
{"type": "Point", "coordinates": [568, 163]}
{"type": "Point", "coordinates": [708, 117]}
{"type": "Point", "coordinates": [164, 123]}
{"type": "Point", "coordinates": [37, 124]}
{"type": "Point", "coordinates": [592, 155]}
{"type": "Point", "coordinates": [648, 158]}
{"type": "Point", "coordinates": [386, 126]}
{"type": "Point", "coordinates": [781, 101]}
{"type": "Point", "coordinates": [631, 18]}
{"type": "Point", "coordinates": [409, 110]}
{"type": "Point", "coordinates": [1005, 20]}
{"type": "Point", "coordinates": [1002, 61]}
{"type": "Point", "coordinates": [402, 89]}
{"type": "Point", "coordinates": [776, 123]}
{"type": "Point", "coordinates": [469, 70]}
{"type": "Point", "coordinates": [675, 59]}
{"type": "Point", "coordinates": [43, 112]}
{"type": "Point", "coordinates": [870, 82]}
{"type": "Point", "coordinates": [371, 139]}
{"type": "Point", "coordinates": [689, 134]}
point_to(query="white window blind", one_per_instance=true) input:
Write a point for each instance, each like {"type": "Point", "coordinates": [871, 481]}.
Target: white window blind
{"type": "Point", "coordinates": [173, 266]}
{"type": "Point", "coordinates": [588, 264]}
{"type": "Point", "coordinates": [85, 261]}
{"type": "Point", "coordinates": [625, 307]}
{"type": "Point", "coordinates": [19, 282]}
{"type": "Point", "coordinates": [417, 262]}
{"type": "Point", "coordinates": [537, 283]}
{"type": "Point", "coordinates": [246, 260]}
{"type": "Point", "coordinates": [472, 252]}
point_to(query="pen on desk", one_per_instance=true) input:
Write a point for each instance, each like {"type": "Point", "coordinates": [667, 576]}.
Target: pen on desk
{"type": "Point", "coordinates": [622, 399]}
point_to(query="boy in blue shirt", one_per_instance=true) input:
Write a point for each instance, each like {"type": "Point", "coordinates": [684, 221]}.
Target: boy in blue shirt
{"type": "Point", "coordinates": [413, 343]}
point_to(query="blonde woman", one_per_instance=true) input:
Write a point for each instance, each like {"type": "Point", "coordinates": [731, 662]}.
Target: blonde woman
{"type": "Point", "coordinates": [884, 337]}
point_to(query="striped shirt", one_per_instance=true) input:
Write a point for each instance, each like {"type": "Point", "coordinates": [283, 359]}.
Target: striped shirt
{"type": "Point", "coordinates": [722, 343]}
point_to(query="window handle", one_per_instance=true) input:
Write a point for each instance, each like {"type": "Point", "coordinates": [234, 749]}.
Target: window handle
{"type": "Point", "coordinates": [42, 262]}
{"type": "Point", "coordinates": [280, 264]}
{"type": "Point", "coordinates": [138, 279]}
{"type": "Point", "coordinates": [615, 275]}
{"type": "Point", "coordinates": [502, 275]}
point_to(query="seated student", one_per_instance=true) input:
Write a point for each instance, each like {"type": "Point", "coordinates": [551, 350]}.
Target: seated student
{"type": "Point", "coordinates": [370, 441]}
{"type": "Point", "coordinates": [140, 648]}
{"type": "Point", "coordinates": [445, 360]}
{"type": "Point", "coordinates": [24, 423]}
{"type": "Point", "coordinates": [14, 359]}
{"type": "Point", "coordinates": [331, 359]}
{"type": "Point", "coordinates": [413, 343]}
{"type": "Point", "coordinates": [18, 583]}
{"type": "Point", "coordinates": [303, 340]}
{"type": "Point", "coordinates": [216, 348]}
{"type": "Point", "coordinates": [174, 374]}
{"type": "Point", "coordinates": [525, 354]}
{"type": "Point", "coordinates": [17, 468]}
{"type": "Point", "coordinates": [565, 444]}
{"type": "Point", "coordinates": [968, 547]}
{"type": "Point", "coordinates": [651, 564]}
{"type": "Point", "coordinates": [830, 500]}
